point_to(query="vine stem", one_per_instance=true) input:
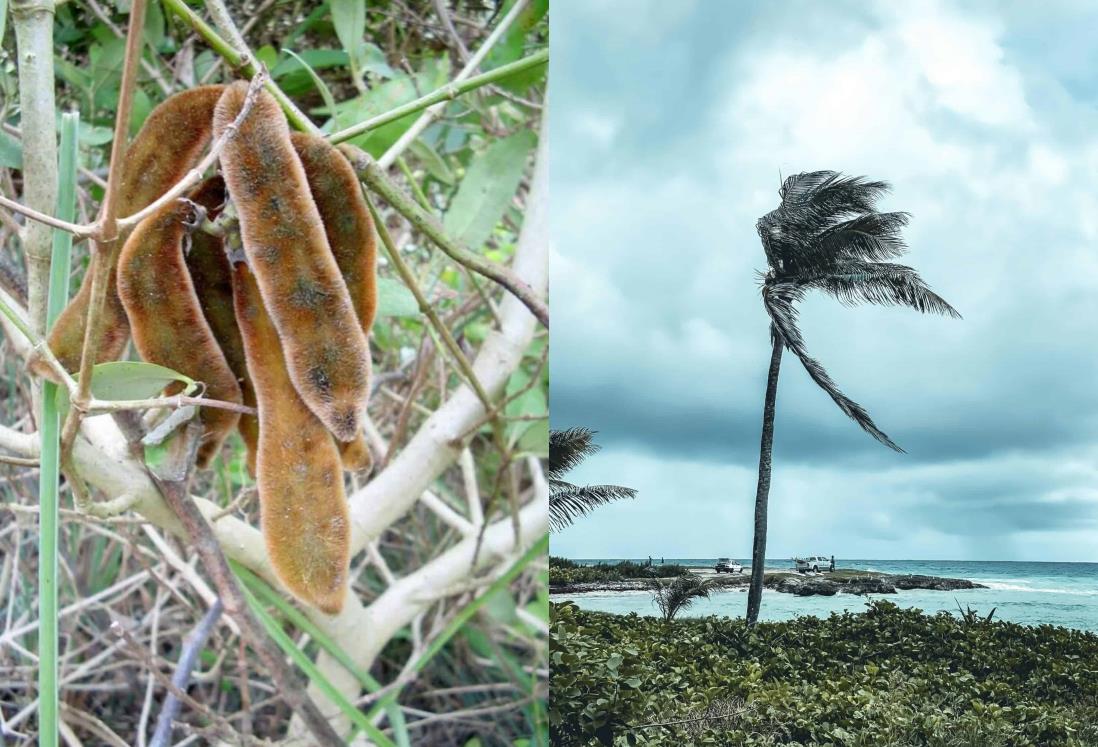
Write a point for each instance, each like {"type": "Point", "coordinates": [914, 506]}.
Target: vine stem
{"type": "Point", "coordinates": [425, 119]}
{"type": "Point", "coordinates": [448, 92]}
{"type": "Point", "coordinates": [107, 246]}
{"type": "Point", "coordinates": [371, 172]}
{"type": "Point", "coordinates": [32, 21]}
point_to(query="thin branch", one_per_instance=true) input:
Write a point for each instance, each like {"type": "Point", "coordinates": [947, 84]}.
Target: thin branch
{"type": "Point", "coordinates": [448, 92]}
{"type": "Point", "coordinates": [32, 21]}
{"type": "Point", "coordinates": [80, 230]}
{"type": "Point", "coordinates": [371, 172]}
{"type": "Point", "coordinates": [425, 307]}
{"type": "Point", "coordinates": [208, 549]}
{"type": "Point", "coordinates": [196, 174]}
{"type": "Point", "coordinates": [429, 116]}
{"type": "Point", "coordinates": [242, 60]}
{"type": "Point", "coordinates": [187, 659]}
{"type": "Point", "coordinates": [107, 249]}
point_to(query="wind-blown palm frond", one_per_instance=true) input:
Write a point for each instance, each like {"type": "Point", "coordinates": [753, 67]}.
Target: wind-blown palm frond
{"type": "Point", "coordinates": [672, 598]}
{"type": "Point", "coordinates": [779, 300]}
{"type": "Point", "coordinates": [568, 502]}
{"type": "Point", "coordinates": [873, 236]}
{"type": "Point", "coordinates": [569, 447]}
{"type": "Point", "coordinates": [827, 235]}
{"type": "Point", "coordinates": [812, 205]}
{"type": "Point", "coordinates": [854, 281]}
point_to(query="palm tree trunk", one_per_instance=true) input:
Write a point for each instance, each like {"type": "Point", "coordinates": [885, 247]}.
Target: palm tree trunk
{"type": "Point", "coordinates": [762, 493]}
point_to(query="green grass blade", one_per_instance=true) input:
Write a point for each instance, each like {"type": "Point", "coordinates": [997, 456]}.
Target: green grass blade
{"type": "Point", "coordinates": [306, 664]}
{"type": "Point", "coordinates": [269, 596]}
{"type": "Point", "coordinates": [50, 475]}
{"type": "Point", "coordinates": [462, 617]}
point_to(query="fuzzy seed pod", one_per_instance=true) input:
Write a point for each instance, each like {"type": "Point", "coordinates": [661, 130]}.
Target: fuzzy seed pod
{"type": "Point", "coordinates": [166, 317]}
{"type": "Point", "coordinates": [347, 222]}
{"type": "Point", "coordinates": [212, 277]}
{"type": "Point", "coordinates": [304, 514]}
{"type": "Point", "coordinates": [326, 352]}
{"type": "Point", "coordinates": [168, 145]}
{"type": "Point", "coordinates": [355, 455]}
{"type": "Point", "coordinates": [350, 231]}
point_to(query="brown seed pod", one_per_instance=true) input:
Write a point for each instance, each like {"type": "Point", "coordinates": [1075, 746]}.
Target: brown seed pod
{"type": "Point", "coordinates": [304, 515]}
{"type": "Point", "coordinates": [212, 277]}
{"type": "Point", "coordinates": [165, 316]}
{"type": "Point", "coordinates": [326, 352]}
{"type": "Point", "coordinates": [347, 222]}
{"type": "Point", "coordinates": [350, 231]}
{"type": "Point", "coordinates": [355, 455]}
{"type": "Point", "coordinates": [168, 145]}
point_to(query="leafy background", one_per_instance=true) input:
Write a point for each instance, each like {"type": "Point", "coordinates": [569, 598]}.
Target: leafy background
{"type": "Point", "coordinates": [341, 62]}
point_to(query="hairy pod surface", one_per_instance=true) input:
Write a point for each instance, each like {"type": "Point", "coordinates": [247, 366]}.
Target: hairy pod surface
{"type": "Point", "coordinates": [355, 455]}
{"type": "Point", "coordinates": [213, 283]}
{"type": "Point", "coordinates": [347, 222]}
{"type": "Point", "coordinates": [166, 318]}
{"type": "Point", "coordinates": [168, 145]}
{"type": "Point", "coordinates": [304, 515]}
{"type": "Point", "coordinates": [326, 351]}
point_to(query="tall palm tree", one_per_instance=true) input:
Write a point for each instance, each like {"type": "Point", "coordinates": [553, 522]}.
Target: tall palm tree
{"type": "Point", "coordinates": [567, 502]}
{"type": "Point", "coordinates": [826, 235]}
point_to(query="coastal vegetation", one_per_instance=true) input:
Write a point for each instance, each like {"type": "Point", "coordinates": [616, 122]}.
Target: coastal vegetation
{"type": "Point", "coordinates": [886, 676]}
{"type": "Point", "coordinates": [674, 596]}
{"type": "Point", "coordinates": [826, 235]}
{"type": "Point", "coordinates": [564, 571]}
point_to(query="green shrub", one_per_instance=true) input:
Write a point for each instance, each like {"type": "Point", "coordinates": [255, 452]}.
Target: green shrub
{"type": "Point", "coordinates": [888, 676]}
{"type": "Point", "coordinates": [564, 571]}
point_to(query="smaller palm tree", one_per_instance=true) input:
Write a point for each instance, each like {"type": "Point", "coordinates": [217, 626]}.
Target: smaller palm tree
{"type": "Point", "coordinates": [678, 594]}
{"type": "Point", "coordinates": [567, 502]}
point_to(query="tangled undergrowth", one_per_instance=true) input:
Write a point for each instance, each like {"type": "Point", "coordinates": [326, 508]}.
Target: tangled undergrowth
{"type": "Point", "coordinates": [132, 592]}
{"type": "Point", "coordinates": [886, 676]}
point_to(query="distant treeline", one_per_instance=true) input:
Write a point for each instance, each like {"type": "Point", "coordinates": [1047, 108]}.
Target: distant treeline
{"type": "Point", "coordinates": [565, 571]}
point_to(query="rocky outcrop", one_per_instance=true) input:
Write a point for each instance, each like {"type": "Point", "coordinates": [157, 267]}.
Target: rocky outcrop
{"type": "Point", "coordinates": [934, 583]}
{"type": "Point", "coordinates": [794, 583]}
{"type": "Point", "coordinates": [868, 585]}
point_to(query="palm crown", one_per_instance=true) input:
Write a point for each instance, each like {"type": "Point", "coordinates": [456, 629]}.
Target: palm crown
{"type": "Point", "coordinates": [827, 235]}
{"type": "Point", "coordinates": [567, 502]}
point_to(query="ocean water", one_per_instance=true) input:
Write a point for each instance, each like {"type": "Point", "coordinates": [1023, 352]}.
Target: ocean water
{"type": "Point", "coordinates": [1024, 592]}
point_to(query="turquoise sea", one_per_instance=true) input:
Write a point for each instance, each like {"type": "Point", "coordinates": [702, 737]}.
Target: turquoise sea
{"type": "Point", "coordinates": [1024, 592]}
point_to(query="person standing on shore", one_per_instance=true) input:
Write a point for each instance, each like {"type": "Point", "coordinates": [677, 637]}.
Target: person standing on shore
{"type": "Point", "coordinates": [832, 563]}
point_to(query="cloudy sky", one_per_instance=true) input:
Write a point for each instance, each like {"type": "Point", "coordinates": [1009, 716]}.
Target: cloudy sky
{"type": "Point", "coordinates": [671, 124]}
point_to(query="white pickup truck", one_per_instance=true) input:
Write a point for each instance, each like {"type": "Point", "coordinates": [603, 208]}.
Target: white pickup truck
{"type": "Point", "coordinates": [814, 563]}
{"type": "Point", "coordinates": [727, 565]}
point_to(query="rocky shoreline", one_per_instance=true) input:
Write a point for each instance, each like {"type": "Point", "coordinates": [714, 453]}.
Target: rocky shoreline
{"type": "Point", "coordinates": [823, 584]}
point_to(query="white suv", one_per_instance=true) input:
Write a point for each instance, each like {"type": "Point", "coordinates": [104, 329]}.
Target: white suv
{"type": "Point", "coordinates": [813, 563]}
{"type": "Point", "coordinates": [726, 565]}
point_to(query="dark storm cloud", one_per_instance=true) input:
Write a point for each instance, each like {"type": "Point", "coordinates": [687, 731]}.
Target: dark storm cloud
{"type": "Point", "coordinates": [665, 158]}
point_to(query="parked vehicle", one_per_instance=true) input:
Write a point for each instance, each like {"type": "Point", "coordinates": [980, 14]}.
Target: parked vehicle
{"type": "Point", "coordinates": [814, 563]}
{"type": "Point", "coordinates": [727, 565]}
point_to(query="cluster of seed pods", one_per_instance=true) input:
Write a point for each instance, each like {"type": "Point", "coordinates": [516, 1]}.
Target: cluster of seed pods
{"type": "Point", "coordinates": [281, 327]}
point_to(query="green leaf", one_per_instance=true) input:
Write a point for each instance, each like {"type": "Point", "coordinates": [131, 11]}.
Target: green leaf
{"type": "Point", "coordinates": [394, 299]}
{"type": "Point", "coordinates": [119, 380]}
{"type": "Point", "coordinates": [11, 150]}
{"type": "Point", "coordinates": [318, 59]}
{"type": "Point", "coordinates": [267, 56]}
{"type": "Point", "coordinates": [386, 96]}
{"type": "Point", "coordinates": [349, 20]}
{"type": "Point", "coordinates": [3, 18]}
{"type": "Point", "coordinates": [373, 61]}
{"type": "Point", "coordinates": [535, 440]}
{"type": "Point", "coordinates": [433, 162]}
{"type": "Point", "coordinates": [487, 189]}
{"type": "Point", "coordinates": [325, 92]}
{"type": "Point", "coordinates": [154, 26]}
